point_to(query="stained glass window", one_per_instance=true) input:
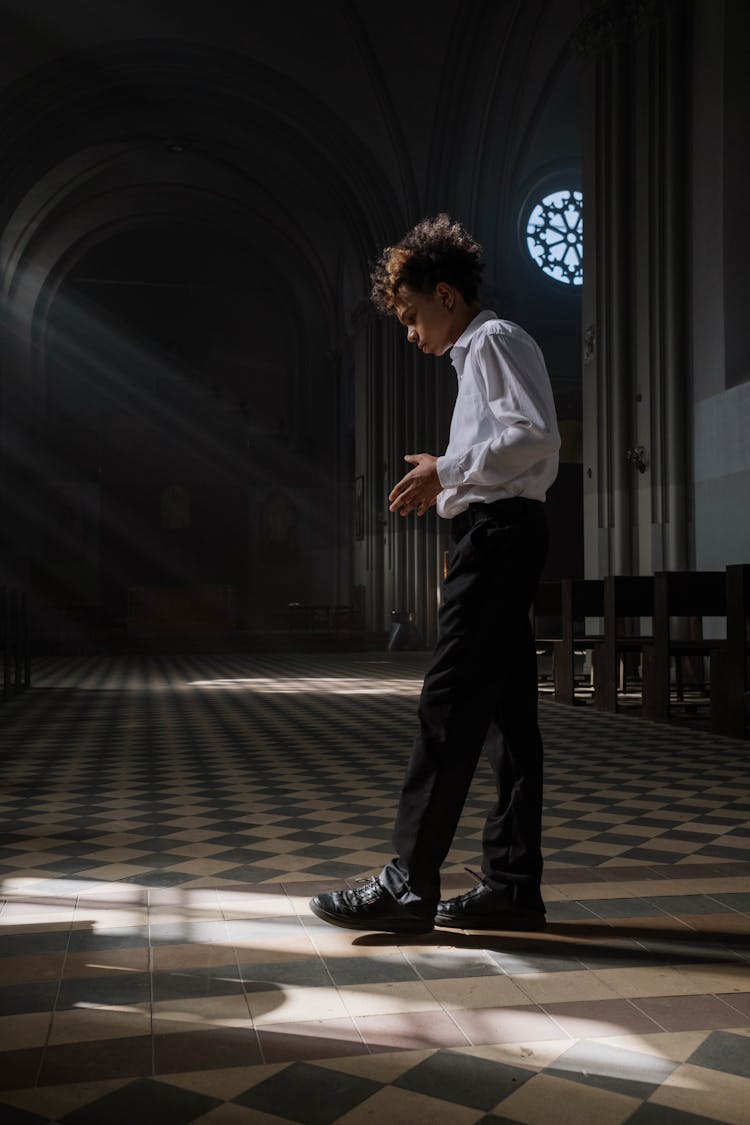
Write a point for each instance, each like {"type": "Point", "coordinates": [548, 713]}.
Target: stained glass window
{"type": "Point", "coordinates": [554, 236]}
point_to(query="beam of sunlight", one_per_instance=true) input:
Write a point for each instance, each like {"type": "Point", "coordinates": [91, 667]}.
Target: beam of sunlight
{"type": "Point", "coordinates": [318, 685]}
{"type": "Point", "coordinates": [113, 968]}
{"type": "Point", "coordinates": [107, 365]}
{"type": "Point", "coordinates": [130, 1009]}
{"type": "Point", "coordinates": [630, 1070]}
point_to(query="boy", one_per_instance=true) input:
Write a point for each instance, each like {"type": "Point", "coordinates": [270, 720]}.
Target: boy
{"type": "Point", "coordinates": [480, 691]}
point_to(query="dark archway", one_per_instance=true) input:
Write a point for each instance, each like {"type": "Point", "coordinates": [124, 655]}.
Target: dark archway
{"type": "Point", "coordinates": [188, 230]}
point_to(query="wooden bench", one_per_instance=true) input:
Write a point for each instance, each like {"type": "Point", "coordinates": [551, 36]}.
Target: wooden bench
{"type": "Point", "coordinates": [571, 601]}
{"type": "Point", "coordinates": [686, 595]}
{"type": "Point", "coordinates": [625, 597]}
{"type": "Point", "coordinates": [730, 663]}
{"type": "Point", "coordinates": [546, 614]}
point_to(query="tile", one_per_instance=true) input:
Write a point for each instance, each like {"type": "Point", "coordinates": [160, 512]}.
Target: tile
{"type": "Point", "coordinates": [199, 1013]}
{"type": "Point", "coordinates": [464, 1079]}
{"type": "Point", "coordinates": [661, 981]}
{"type": "Point", "coordinates": [194, 1050]}
{"type": "Point", "coordinates": [676, 1046]}
{"type": "Point", "coordinates": [169, 929]}
{"type": "Point", "coordinates": [93, 1024]}
{"type": "Point", "coordinates": [599, 1064]}
{"type": "Point", "coordinates": [539, 957]}
{"type": "Point", "coordinates": [721, 924]}
{"type": "Point", "coordinates": [544, 988]}
{"type": "Point", "coordinates": [739, 901]}
{"type": "Point", "coordinates": [724, 978]}
{"type": "Point", "coordinates": [713, 1094]}
{"type": "Point", "coordinates": [104, 939]}
{"type": "Point", "coordinates": [24, 915]}
{"type": "Point", "coordinates": [453, 963]}
{"type": "Point", "coordinates": [388, 998]}
{"type": "Point", "coordinates": [505, 1025]}
{"type": "Point", "coordinates": [28, 997]}
{"type": "Point", "coordinates": [685, 1013]}
{"type": "Point", "coordinates": [192, 955]}
{"type": "Point", "coordinates": [294, 1004]}
{"type": "Point", "coordinates": [115, 989]}
{"type": "Point", "coordinates": [404, 1107]}
{"type": "Point", "coordinates": [588, 1019]}
{"type": "Point", "coordinates": [370, 970]}
{"type": "Point", "coordinates": [223, 1082]}
{"type": "Point", "coordinates": [651, 1114]}
{"type": "Point", "coordinates": [310, 972]}
{"type": "Point", "coordinates": [54, 1102]}
{"type": "Point", "coordinates": [724, 1051]}
{"type": "Point", "coordinates": [24, 1029]}
{"type": "Point", "coordinates": [111, 1058]}
{"type": "Point", "coordinates": [383, 1066]}
{"type": "Point", "coordinates": [558, 875]}
{"type": "Point", "coordinates": [684, 904]}
{"type": "Point", "coordinates": [738, 1001]}
{"type": "Point", "coordinates": [311, 1039]}
{"type": "Point", "coordinates": [305, 1092]}
{"type": "Point", "coordinates": [193, 983]}
{"type": "Point", "coordinates": [143, 1099]}
{"type": "Point", "coordinates": [44, 939]}
{"type": "Point", "coordinates": [477, 992]}
{"type": "Point", "coordinates": [421, 1029]}
{"type": "Point", "coordinates": [613, 898]}
{"type": "Point", "coordinates": [34, 967]}
{"type": "Point", "coordinates": [249, 936]}
{"type": "Point", "coordinates": [568, 911]}
{"type": "Point", "coordinates": [92, 962]}
{"type": "Point", "coordinates": [254, 904]}
{"type": "Point", "coordinates": [546, 1097]}
{"type": "Point", "coordinates": [19, 1068]}
{"type": "Point", "coordinates": [231, 1114]}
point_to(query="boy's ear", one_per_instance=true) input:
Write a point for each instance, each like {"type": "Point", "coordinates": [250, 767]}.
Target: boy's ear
{"type": "Point", "coordinates": [446, 295]}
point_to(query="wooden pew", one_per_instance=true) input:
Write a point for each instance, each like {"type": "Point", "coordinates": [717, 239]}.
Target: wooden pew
{"type": "Point", "coordinates": [625, 597]}
{"type": "Point", "coordinates": [678, 594]}
{"type": "Point", "coordinates": [730, 664]}
{"type": "Point", "coordinates": [546, 615]}
{"type": "Point", "coordinates": [580, 598]}
{"type": "Point", "coordinates": [570, 600]}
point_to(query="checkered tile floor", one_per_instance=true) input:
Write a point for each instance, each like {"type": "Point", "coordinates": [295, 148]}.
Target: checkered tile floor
{"type": "Point", "coordinates": [165, 820]}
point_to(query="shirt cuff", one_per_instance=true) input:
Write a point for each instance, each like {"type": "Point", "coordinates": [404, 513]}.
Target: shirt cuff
{"type": "Point", "coordinates": [449, 471]}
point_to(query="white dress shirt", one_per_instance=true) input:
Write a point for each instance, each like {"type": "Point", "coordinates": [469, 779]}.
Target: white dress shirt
{"type": "Point", "coordinates": [504, 439]}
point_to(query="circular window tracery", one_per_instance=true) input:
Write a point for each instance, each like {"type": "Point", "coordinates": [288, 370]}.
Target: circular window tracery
{"type": "Point", "coordinates": [554, 236]}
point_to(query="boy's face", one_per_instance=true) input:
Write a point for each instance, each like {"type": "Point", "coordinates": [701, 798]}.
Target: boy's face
{"type": "Point", "coordinates": [429, 318]}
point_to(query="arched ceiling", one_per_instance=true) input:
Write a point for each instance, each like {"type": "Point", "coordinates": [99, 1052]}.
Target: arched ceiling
{"type": "Point", "coordinates": [337, 123]}
{"type": "Point", "coordinates": [302, 136]}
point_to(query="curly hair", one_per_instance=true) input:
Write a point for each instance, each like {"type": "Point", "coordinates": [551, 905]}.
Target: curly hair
{"type": "Point", "coordinates": [434, 250]}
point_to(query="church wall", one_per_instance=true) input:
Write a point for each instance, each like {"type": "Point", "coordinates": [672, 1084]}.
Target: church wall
{"type": "Point", "coordinates": [719, 255]}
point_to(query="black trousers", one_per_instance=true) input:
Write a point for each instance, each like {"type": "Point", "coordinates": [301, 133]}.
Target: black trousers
{"type": "Point", "coordinates": [480, 692]}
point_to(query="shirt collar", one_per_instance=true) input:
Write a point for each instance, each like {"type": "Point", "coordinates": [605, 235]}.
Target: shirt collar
{"type": "Point", "coordinates": [461, 346]}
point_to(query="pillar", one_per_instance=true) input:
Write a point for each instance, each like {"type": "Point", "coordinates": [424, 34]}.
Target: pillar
{"type": "Point", "coordinates": [635, 374]}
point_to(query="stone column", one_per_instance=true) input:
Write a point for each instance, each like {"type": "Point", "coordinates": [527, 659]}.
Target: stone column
{"type": "Point", "coordinates": [403, 405]}
{"type": "Point", "coordinates": [635, 391]}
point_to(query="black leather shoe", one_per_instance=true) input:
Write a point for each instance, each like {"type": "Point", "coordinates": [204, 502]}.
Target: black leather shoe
{"type": "Point", "coordinates": [370, 907]}
{"type": "Point", "coordinates": [485, 908]}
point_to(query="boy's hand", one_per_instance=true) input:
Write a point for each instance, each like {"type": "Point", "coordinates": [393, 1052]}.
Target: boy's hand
{"type": "Point", "coordinates": [419, 489]}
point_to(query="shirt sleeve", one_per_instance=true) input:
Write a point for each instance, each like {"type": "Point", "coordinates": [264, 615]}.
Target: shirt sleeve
{"type": "Point", "coordinates": [512, 374]}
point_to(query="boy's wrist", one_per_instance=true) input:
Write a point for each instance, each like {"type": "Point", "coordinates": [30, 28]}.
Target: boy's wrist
{"type": "Point", "coordinates": [449, 471]}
